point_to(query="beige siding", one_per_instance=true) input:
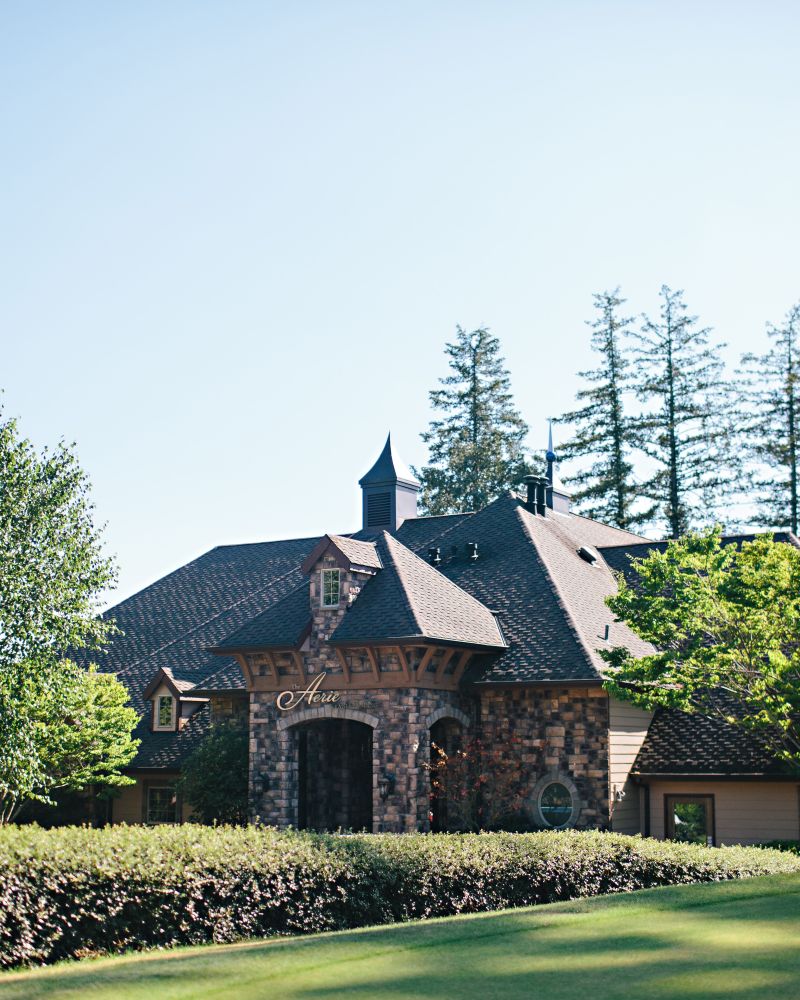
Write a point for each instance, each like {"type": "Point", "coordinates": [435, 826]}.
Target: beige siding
{"type": "Point", "coordinates": [128, 806]}
{"type": "Point", "coordinates": [627, 728]}
{"type": "Point", "coordinates": [746, 812]}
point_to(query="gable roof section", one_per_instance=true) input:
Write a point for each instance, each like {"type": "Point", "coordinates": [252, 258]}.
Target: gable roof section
{"type": "Point", "coordinates": [409, 599]}
{"type": "Point", "coordinates": [350, 553]}
{"type": "Point", "coordinates": [283, 625]}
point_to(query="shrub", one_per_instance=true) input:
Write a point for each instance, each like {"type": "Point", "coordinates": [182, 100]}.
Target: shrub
{"type": "Point", "coordinates": [792, 846]}
{"type": "Point", "coordinates": [75, 891]}
{"type": "Point", "coordinates": [214, 777]}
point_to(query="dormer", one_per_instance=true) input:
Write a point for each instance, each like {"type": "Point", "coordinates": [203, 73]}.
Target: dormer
{"type": "Point", "coordinates": [171, 702]}
{"type": "Point", "coordinates": [389, 492]}
{"type": "Point", "coordinates": [338, 567]}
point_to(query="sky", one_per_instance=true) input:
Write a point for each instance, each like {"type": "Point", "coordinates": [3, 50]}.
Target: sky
{"type": "Point", "coordinates": [235, 237]}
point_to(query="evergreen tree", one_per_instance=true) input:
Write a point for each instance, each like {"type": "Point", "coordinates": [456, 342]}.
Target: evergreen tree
{"type": "Point", "coordinates": [476, 447]}
{"type": "Point", "coordinates": [602, 430]}
{"type": "Point", "coordinates": [771, 384]}
{"type": "Point", "coordinates": [685, 430]}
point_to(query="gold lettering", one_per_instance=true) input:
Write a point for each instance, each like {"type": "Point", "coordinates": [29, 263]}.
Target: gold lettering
{"type": "Point", "coordinates": [287, 700]}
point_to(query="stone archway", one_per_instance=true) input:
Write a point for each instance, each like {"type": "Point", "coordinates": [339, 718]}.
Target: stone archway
{"type": "Point", "coordinates": [331, 750]}
{"type": "Point", "coordinates": [447, 727]}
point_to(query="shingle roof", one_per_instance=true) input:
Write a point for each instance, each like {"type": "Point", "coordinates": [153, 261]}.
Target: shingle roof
{"type": "Point", "coordinates": [679, 743]}
{"type": "Point", "coordinates": [409, 599]}
{"type": "Point", "coordinates": [168, 750]}
{"type": "Point", "coordinates": [282, 626]}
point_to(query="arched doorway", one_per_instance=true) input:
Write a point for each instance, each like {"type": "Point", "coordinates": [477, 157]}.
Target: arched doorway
{"type": "Point", "coordinates": [447, 737]}
{"type": "Point", "coordinates": [334, 759]}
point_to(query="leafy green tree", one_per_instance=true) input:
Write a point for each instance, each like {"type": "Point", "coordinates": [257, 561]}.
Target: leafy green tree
{"type": "Point", "coordinates": [686, 427]}
{"type": "Point", "coordinates": [214, 777]}
{"type": "Point", "coordinates": [603, 432]}
{"type": "Point", "coordinates": [476, 448]}
{"type": "Point", "coordinates": [52, 570]}
{"type": "Point", "coordinates": [725, 624]}
{"type": "Point", "coordinates": [771, 385]}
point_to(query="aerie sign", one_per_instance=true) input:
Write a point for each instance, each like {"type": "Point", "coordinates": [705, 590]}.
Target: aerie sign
{"type": "Point", "coordinates": [287, 700]}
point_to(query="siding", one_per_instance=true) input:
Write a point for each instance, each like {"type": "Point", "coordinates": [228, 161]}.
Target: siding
{"type": "Point", "coordinates": [128, 806]}
{"type": "Point", "coordinates": [746, 812]}
{"type": "Point", "coordinates": [627, 728]}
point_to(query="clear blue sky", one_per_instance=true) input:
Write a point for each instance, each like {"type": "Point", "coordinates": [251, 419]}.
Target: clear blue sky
{"type": "Point", "coordinates": [235, 236]}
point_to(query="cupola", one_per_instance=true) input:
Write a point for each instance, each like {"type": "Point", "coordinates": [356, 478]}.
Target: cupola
{"type": "Point", "coordinates": [389, 492]}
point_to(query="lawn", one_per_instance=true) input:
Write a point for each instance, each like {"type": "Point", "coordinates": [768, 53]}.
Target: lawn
{"type": "Point", "coordinates": [719, 940]}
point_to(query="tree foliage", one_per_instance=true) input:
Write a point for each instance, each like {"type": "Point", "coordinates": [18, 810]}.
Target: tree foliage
{"type": "Point", "coordinates": [683, 430]}
{"type": "Point", "coordinates": [56, 723]}
{"type": "Point", "coordinates": [214, 778]}
{"type": "Point", "coordinates": [603, 431]}
{"type": "Point", "coordinates": [771, 431]}
{"type": "Point", "coordinates": [476, 447]}
{"type": "Point", "coordinates": [725, 624]}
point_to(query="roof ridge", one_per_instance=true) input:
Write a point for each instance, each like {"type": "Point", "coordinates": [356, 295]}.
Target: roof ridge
{"type": "Point", "coordinates": [387, 538]}
{"type": "Point", "coordinates": [559, 594]}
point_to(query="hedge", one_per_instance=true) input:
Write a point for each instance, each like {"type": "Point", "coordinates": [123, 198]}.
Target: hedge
{"type": "Point", "coordinates": [74, 892]}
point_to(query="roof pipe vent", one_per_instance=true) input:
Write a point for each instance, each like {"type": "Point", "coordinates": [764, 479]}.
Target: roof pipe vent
{"type": "Point", "coordinates": [472, 551]}
{"type": "Point", "coordinates": [435, 555]}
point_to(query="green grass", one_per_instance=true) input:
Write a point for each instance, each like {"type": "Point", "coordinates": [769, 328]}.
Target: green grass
{"type": "Point", "coordinates": [719, 940]}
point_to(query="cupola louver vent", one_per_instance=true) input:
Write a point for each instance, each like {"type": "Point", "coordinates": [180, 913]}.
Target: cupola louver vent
{"type": "Point", "coordinates": [379, 509]}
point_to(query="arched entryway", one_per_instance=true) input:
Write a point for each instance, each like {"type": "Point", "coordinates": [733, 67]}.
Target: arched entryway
{"type": "Point", "coordinates": [334, 775]}
{"type": "Point", "coordinates": [447, 729]}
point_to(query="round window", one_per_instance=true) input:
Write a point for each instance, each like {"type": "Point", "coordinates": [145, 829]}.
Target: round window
{"type": "Point", "coordinates": [555, 804]}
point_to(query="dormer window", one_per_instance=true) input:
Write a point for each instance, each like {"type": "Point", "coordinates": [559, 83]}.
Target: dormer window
{"type": "Point", "coordinates": [165, 712]}
{"type": "Point", "coordinates": [330, 588]}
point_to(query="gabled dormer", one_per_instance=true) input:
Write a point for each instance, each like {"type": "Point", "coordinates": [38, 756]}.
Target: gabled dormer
{"type": "Point", "coordinates": [171, 702]}
{"type": "Point", "coordinates": [337, 568]}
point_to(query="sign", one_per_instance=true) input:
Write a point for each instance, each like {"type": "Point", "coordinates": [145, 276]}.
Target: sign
{"type": "Point", "coordinates": [287, 700]}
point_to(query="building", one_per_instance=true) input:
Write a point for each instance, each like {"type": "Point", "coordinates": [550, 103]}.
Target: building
{"type": "Point", "coordinates": [349, 654]}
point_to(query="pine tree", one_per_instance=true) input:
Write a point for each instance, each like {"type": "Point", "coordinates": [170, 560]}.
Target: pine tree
{"type": "Point", "coordinates": [685, 430]}
{"type": "Point", "coordinates": [771, 385]}
{"type": "Point", "coordinates": [476, 448]}
{"type": "Point", "coordinates": [603, 432]}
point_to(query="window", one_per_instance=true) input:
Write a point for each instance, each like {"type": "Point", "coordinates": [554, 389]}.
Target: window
{"type": "Point", "coordinates": [690, 818]}
{"type": "Point", "coordinates": [330, 588]}
{"type": "Point", "coordinates": [555, 804]}
{"type": "Point", "coordinates": [161, 804]}
{"type": "Point", "coordinates": [164, 718]}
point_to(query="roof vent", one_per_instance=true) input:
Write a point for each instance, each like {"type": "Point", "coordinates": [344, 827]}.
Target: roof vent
{"type": "Point", "coordinates": [472, 551]}
{"type": "Point", "coordinates": [379, 506]}
{"type": "Point", "coordinates": [435, 555]}
{"type": "Point", "coordinates": [588, 555]}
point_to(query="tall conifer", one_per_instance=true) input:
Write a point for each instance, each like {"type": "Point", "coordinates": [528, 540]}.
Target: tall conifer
{"type": "Point", "coordinates": [771, 385]}
{"type": "Point", "coordinates": [685, 429]}
{"type": "Point", "coordinates": [476, 447]}
{"type": "Point", "coordinates": [603, 432]}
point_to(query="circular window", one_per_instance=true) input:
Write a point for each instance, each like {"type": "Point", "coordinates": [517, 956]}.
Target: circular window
{"type": "Point", "coordinates": [555, 804]}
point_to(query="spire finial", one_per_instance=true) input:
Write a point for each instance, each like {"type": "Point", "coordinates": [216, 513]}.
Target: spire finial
{"type": "Point", "coordinates": [551, 455]}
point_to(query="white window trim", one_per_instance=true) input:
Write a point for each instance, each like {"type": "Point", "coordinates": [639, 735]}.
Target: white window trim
{"type": "Point", "coordinates": [156, 705]}
{"type": "Point", "coordinates": [322, 573]}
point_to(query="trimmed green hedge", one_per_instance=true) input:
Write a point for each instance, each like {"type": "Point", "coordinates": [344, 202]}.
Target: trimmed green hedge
{"type": "Point", "coordinates": [72, 892]}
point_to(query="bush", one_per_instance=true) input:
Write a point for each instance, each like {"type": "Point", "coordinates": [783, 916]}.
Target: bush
{"type": "Point", "coordinates": [73, 892]}
{"type": "Point", "coordinates": [793, 846]}
{"type": "Point", "coordinates": [214, 777]}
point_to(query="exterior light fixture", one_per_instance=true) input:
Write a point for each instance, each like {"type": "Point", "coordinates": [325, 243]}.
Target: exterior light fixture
{"type": "Point", "coordinates": [386, 784]}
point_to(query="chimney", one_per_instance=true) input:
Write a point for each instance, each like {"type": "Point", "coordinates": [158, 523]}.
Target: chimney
{"type": "Point", "coordinates": [536, 501]}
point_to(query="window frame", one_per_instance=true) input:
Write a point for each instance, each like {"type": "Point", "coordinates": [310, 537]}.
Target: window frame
{"type": "Point", "coordinates": [338, 601]}
{"type": "Point", "coordinates": [711, 813]}
{"type": "Point", "coordinates": [541, 786]}
{"type": "Point", "coordinates": [160, 784]}
{"type": "Point", "coordinates": [157, 724]}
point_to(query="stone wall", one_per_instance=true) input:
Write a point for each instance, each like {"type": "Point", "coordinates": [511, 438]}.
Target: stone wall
{"type": "Point", "coordinates": [558, 732]}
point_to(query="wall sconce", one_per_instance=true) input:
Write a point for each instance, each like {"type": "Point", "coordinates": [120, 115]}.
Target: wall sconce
{"type": "Point", "coordinates": [386, 784]}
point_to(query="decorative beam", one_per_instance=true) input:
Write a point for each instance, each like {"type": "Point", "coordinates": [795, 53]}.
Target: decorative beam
{"type": "Point", "coordinates": [270, 658]}
{"type": "Point", "coordinates": [298, 662]}
{"type": "Point", "coordinates": [344, 663]}
{"type": "Point", "coordinates": [445, 660]}
{"type": "Point", "coordinates": [401, 656]}
{"type": "Point", "coordinates": [373, 662]}
{"type": "Point", "coordinates": [426, 659]}
{"type": "Point", "coordinates": [461, 666]}
{"type": "Point", "coordinates": [241, 659]}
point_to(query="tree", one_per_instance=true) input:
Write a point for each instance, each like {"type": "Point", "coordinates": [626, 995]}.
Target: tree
{"type": "Point", "coordinates": [603, 431]}
{"type": "Point", "coordinates": [52, 570]}
{"type": "Point", "coordinates": [685, 430]}
{"type": "Point", "coordinates": [725, 624]}
{"type": "Point", "coordinates": [771, 385]}
{"type": "Point", "coordinates": [214, 777]}
{"type": "Point", "coordinates": [476, 448]}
